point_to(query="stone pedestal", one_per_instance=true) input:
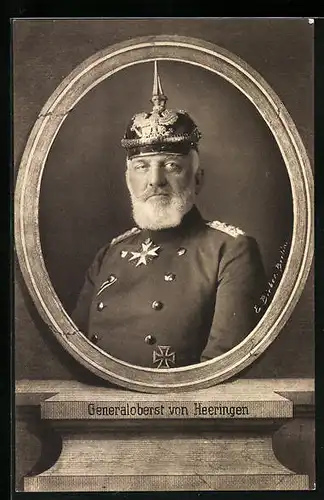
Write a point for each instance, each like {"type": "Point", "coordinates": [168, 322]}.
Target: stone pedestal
{"type": "Point", "coordinates": [213, 439]}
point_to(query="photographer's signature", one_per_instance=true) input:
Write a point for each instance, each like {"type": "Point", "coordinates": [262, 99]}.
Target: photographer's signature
{"type": "Point", "coordinates": [277, 273]}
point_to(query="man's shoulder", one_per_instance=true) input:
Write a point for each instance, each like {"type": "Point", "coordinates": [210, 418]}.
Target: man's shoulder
{"type": "Point", "coordinates": [124, 236]}
{"type": "Point", "coordinates": [236, 247]}
{"type": "Point", "coordinates": [229, 237]}
{"type": "Point", "coordinates": [103, 251]}
{"type": "Point", "coordinates": [218, 228]}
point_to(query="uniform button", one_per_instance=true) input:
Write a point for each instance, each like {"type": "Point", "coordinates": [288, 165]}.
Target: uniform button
{"type": "Point", "coordinates": [181, 251]}
{"type": "Point", "coordinates": [169, 277]}
{"type": "Point", "coordinates": [94, 339]}
{"type": "Point", "coordinates": [157, 305]}
{"type": "Point", "coordinates": [150, 339]}
{"type": "Point", "coordinates": [100, 306]}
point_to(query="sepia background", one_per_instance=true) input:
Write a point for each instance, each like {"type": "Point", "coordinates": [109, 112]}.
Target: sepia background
{"type": "Point", "coordinates": [84, 201]}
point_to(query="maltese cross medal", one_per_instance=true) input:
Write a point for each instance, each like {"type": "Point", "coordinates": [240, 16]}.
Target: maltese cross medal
{"type": "Point", "coordinates": [146, 253]}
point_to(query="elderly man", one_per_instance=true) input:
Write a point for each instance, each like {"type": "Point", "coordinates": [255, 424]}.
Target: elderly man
{"type": "Point", "coordinates": [175, 290]}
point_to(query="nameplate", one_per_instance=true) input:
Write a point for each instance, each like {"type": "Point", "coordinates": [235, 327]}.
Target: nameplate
{"type": "Point", "coordinates": [163, 409]}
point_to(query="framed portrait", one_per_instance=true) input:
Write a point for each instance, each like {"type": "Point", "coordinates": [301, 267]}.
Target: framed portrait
{"type": "Point", "coordinates": [164, 234]}
{"type": "Point", "coordinates": [71, 199]}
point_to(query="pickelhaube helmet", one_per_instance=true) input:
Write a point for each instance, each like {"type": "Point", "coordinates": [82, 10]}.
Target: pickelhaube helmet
{"type": "Point", "coordinates": [160, 130]}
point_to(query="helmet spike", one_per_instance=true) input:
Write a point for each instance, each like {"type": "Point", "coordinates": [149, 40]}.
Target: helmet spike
{"type": "Point", "coordinates": [160, 130]}
{"type": "Point", "coordinates": [158, 97]}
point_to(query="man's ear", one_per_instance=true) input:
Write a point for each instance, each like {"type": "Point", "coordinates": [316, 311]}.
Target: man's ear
{"type": "Point", "coordinates": [199, 179]}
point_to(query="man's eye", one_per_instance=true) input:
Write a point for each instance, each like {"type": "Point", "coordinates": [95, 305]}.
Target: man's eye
{"type": "Point", "coordinates": [172, 166]}
{"type": "Point", "coordinates": [140, 166]}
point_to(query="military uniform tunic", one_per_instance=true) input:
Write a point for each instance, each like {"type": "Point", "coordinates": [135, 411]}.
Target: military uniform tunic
{"type": "Point", "coordinates": [172, 297]}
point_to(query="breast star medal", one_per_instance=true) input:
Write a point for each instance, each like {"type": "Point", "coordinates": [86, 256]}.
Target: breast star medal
{"type": "Point", "coordinates": [147, 253]}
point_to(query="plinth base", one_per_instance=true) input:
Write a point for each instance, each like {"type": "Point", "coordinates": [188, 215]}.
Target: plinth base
{"type": "Point", "coordinates": [211, 482]}
{"type": "Point", "coordinates": [165, 462]}
{"type": "Point", "coordinates": [215, 439]}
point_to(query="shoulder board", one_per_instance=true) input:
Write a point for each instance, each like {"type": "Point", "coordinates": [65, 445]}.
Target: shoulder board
{"type": "Point", "coordinates": [125, 235]}
{"type": "Point", "coordinates": [225, 228]}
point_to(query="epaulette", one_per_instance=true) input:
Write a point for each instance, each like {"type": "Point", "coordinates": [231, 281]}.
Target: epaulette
{"type": "Point", "coordinates": [125, 235]}
{"type": "Point", "coordinates": [225, 228]}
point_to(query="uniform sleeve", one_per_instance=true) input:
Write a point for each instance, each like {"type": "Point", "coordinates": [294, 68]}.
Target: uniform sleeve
{"type": "Point", "coordinates": [241, 281]}
{"type": "Point", "coordinates": [80, 314]}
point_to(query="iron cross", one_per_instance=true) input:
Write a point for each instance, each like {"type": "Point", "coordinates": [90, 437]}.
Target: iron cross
{"type": "Point", "coordinates": [164, 357]}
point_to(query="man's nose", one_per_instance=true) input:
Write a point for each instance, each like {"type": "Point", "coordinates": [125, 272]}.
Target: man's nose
{"type": "Point", "coordinates": [157, 176]}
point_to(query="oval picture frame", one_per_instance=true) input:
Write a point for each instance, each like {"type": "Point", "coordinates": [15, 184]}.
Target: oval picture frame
{"type": "Point", "coordinates": [28, 248]}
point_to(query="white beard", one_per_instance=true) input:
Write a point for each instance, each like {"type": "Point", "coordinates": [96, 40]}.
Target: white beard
{"type": "Point", "coordinates": [161, 213]}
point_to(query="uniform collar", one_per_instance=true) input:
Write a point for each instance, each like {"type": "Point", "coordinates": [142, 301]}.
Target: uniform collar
{"type": "Point", "coordinates": [191, 223]}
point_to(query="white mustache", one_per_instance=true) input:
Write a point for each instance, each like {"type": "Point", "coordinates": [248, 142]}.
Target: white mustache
{"type": "Point", "coordinates": [155, 192]}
